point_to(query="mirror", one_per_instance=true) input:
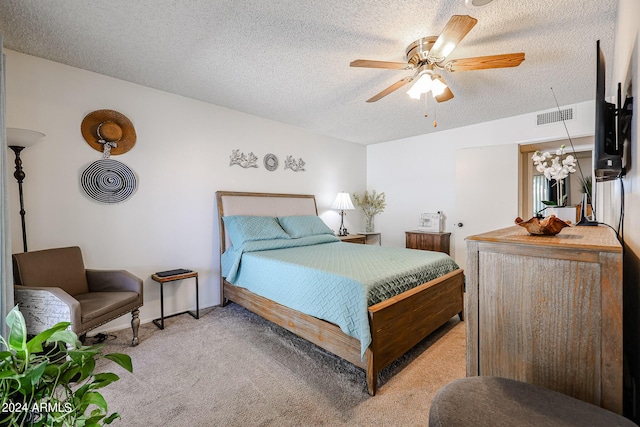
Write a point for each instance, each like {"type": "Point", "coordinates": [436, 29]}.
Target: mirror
{"type": "Point", "coordinates": [535, 187]}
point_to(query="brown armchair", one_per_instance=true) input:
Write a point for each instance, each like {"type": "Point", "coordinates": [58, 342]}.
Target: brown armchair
{"type": "Point", "coordinates": [53, 286]}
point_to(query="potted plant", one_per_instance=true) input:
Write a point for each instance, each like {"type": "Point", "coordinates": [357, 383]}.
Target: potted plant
{"type": "Point", "coordinates": [371, 204]}
{"type": "Point", "coordinates": [561, 166]}
{"type": "Point", "coordinates": [49, 380]}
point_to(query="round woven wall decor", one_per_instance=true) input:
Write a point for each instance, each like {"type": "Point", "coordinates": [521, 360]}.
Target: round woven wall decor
{"type": "Point", "coordinates": [108, 181]}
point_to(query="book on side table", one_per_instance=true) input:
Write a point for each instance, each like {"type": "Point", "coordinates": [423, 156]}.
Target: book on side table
{"type": "Point", "coordinates": [175, 272]}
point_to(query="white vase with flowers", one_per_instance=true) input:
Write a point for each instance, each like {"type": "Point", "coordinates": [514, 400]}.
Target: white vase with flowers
{"type": "Point", "coordinates": [557, 168]}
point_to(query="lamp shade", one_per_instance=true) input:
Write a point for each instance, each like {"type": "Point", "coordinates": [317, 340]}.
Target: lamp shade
{"type": "Point", "coordinates": [343, 202]}
{"type": "Point", "coordinates": [22, 137]}
{"type": "Point", "coordinates": [438, 87]}
{"type": "Point", "coordinates": [423, 85]}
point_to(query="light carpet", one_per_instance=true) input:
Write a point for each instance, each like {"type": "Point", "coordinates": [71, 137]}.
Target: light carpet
{"type": "Point", "coordinates": [233, 368]}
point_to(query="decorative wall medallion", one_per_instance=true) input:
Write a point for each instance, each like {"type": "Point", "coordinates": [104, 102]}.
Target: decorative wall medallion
{"type": "Point", "coordinates": [293, 164]}
{"type": "Point", "coordinates": [270, 162]}
{"type": "Point", "coordinates": [243, 160]}
{"type": "Point", "coordinates": [108, 181]}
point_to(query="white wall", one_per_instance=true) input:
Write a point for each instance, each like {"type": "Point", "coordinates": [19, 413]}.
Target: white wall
{"type": "Point", "coordinates": [181, 159]}
{"type": "Point", "coordinates": [418, 174]}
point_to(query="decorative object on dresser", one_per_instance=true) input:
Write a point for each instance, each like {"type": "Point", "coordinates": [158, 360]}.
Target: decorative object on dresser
{"type": "Point", "coordinates": [549, 226]}
{"type": "Point", "coordinates": [547, 310]}
{"type": "Point", "coordinates": [52, 286]}
{"type": "Point", "coordinates": [18, 140]}
{"type": "Point", "coordinates": [433, 222]}
{"type": "Point", "coordinates": [439, 242]}
{"type": "Point", "coordinates": [354, 238]}
{"type": "Point", "coordinates": [562, 165]}
{"type": "Point", "coordinates": [371, 204]}
{"type": "Point", "coordinates": [342, 203]}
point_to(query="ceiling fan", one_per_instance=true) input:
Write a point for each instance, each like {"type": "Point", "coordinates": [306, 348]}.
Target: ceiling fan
{"type": "Point", "coordinates": [428, 55]}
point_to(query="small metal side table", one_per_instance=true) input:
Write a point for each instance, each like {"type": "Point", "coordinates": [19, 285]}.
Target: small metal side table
{"type": "Point", "coordinates": [162, 280]}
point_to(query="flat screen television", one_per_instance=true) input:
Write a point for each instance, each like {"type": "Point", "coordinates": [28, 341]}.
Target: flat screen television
{"type": "Point", "coordinates": [608, 153]}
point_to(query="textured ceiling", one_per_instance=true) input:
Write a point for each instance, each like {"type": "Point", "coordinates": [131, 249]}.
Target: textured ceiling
{"type": "Point", "coordinates": [289, 60]}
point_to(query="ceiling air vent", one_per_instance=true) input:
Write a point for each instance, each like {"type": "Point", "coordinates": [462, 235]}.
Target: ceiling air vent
{"type": "Point", "coordinates": [555, 116]}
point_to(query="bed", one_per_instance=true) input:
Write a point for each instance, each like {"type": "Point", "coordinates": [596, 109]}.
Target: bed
{"type": "Point", "coordinates": [393, 326]}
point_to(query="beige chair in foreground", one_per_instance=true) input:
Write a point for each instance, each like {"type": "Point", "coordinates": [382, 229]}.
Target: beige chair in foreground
{"type": "Point", "coordinates": [53, 286]}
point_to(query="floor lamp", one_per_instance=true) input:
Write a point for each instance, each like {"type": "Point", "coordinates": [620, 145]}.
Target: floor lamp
{"type": "Point", "coordinates": [18, 140]}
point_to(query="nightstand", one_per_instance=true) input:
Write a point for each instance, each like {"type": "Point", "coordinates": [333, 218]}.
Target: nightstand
{"type": "Point", "coordinates": [353, 238]}
{"type": "Point", "coordinates": [377, 237]}
{"type": "Point", "coordinates": [438, 242]}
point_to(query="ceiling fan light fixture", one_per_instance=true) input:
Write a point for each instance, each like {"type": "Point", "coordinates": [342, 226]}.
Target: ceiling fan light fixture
{"type": "Point", "coordinates": [422, 85]}
{"type": "Point", "coordinates": [437, 86]}
{"type": "Point", "coordinates": [474, 4]}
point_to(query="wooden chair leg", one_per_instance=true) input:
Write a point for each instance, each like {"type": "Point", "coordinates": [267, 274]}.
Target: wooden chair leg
{"type": "Point", "coordinates": [135, 325]}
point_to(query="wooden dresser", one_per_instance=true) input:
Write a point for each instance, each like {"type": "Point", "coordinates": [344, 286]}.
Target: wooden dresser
{"type": "Point", "coordinates": [439, 242]}
{"type": "Point", "coordinates": [547, 310]}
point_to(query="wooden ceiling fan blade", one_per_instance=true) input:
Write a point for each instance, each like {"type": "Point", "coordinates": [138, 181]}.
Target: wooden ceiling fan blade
{"type": "Point", "coordinates": [365, 63]}
{"type": "Point", "coordinates": [485, 62]}
{"type": "Point", "coordinates": [455, 30]}
{"type": "Point", "coordinates": [397, 85]}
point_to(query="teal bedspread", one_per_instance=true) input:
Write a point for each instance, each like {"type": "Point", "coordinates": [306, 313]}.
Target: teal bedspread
{"type": "Point", "coordinates": [329, 279]}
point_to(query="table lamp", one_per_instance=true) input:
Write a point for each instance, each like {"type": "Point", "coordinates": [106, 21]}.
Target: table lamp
{"type": "Point", "coordinates": [342, 203]}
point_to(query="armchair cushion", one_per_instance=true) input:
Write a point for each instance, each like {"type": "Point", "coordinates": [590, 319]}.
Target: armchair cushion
{"type": "Point", "coordinates": [61, 268]}
{"type": "Point", "coordinates": [97, 304]}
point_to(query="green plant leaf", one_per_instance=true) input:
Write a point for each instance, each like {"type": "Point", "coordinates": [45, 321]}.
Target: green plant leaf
{"type": "Point", "coordinates": [111, 418]}
{"type": "Point", "coordinates": [35, 372]}
{"type": "Point", "coordinates": [103, 380]}
{"type": "Point", "coordinates": [123, 360]}
{"type": "Point", "coordinates": [18, 333]}
{"type": "Point", "coordinates": [549, 203]}
{"type": "Point", "coordinates": [35, 344]}
{"type": "Point", "coordinates": [82, 390]}
{"type": "Point", "coordinates": [9, 373]}
{"type": "Point", "coordinates": [82, 357]}
{"type": "Point", "coordinates": [69, 374]}
{"type": "Point", "coordinates": [66, 336]}
{"type": "Point", "coordinates": [94, 398]}
{"type": "Point", "coordinates": [87, 368]}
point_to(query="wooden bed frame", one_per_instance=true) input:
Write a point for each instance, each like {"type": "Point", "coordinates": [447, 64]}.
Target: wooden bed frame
{"type": "Point", "coordinates": [397, 324]}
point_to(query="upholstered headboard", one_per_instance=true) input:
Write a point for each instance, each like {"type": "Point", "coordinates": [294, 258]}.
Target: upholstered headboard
{"type": "Point", "coordinates": [261, 204]}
